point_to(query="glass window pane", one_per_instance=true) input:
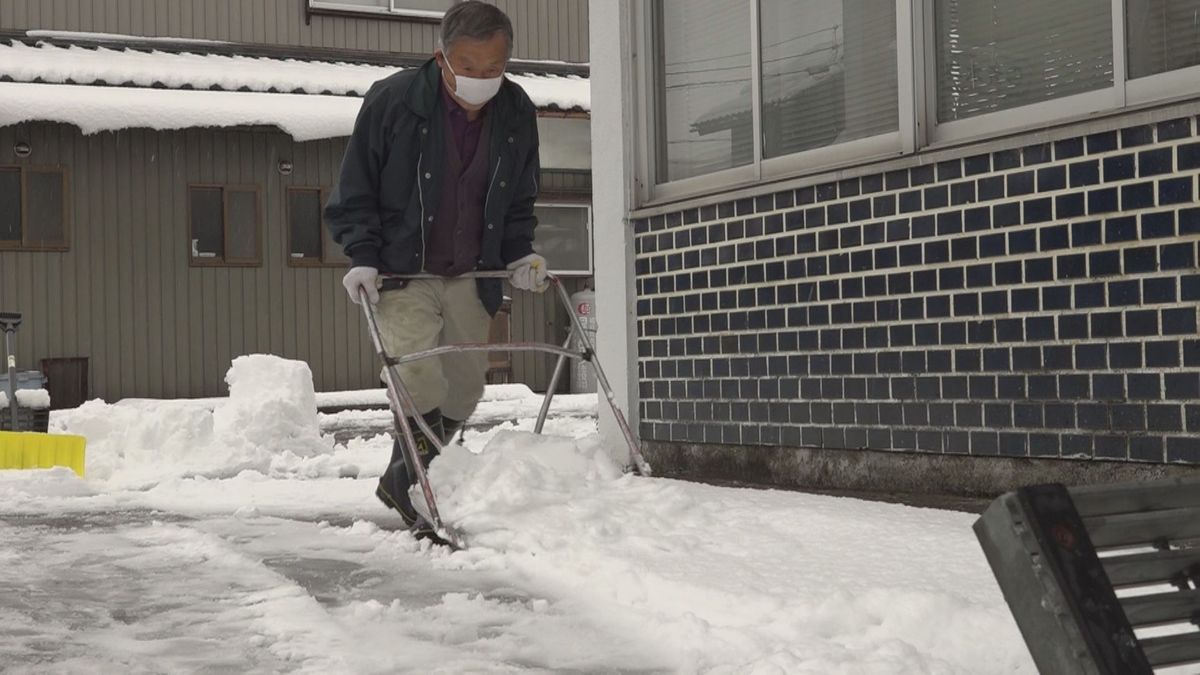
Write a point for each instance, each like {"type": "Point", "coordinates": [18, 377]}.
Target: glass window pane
{"type": "Point", "coordinates": [44, 220]}
{"type": "Point", "coordinates": [562, 238]}
{"type": "Point", "coordinates": [351, 4]}
{"type": "Point", "coordinates": [1001, 54]}
{"type": "Point", "coordinates": [420, 5]}
{"type": "Point", "coordinates": [704, 88]}
{"type": "Point", "coordinates": [1162, 35]}
{"type": "Point", "coordinates": [304, 224]}
{"type": "Point", "coordinates": [828, 72]}
{"type": "Point", "coordinates": [10, 206]}
{"type": "Point", "coordinates": [208, 233]}
{"type": "Point", "coordinates": [243, 225]}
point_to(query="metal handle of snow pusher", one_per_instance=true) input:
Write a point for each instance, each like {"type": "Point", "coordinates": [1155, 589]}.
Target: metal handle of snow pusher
{"type": "Point", "coordinates": [640, 465]}
{"type": "Point", "coordinates": [399, 400]}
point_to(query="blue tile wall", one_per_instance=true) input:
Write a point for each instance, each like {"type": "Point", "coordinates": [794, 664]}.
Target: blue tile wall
{"type": "Point", "coordinates": [1038, 301]}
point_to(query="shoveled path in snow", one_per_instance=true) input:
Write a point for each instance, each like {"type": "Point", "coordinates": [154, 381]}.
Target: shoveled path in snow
{"type": "Point", "coordinates": [142, 591]}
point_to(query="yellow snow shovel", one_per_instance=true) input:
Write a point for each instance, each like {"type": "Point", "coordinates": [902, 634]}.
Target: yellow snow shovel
{"type": "Point", "coordinates": [30, 450]}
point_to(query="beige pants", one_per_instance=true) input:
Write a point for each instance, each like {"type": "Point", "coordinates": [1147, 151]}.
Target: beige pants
{"type": "Point", "coordinates": [429, 313]}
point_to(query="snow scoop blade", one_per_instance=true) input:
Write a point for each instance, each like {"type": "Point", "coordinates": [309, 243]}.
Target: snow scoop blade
{"type": "Point", "coordinates": [29, 450]}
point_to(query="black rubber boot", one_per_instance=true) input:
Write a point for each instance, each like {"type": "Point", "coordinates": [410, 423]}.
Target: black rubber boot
{"type": "Point", "coordinates": [450, 427]}
{"type": "Point", "coordinates": [396, 479]}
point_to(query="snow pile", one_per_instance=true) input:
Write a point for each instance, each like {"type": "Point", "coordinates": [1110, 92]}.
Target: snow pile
{"type": "Point", "coordinates": [731, 580]}
{"type": "Point", "coordinates": [38, 399]}
{"type": "Point", "coordinates": [268, 425]}
{"type": "Point", "coordinates": [271, 404]}
{"type": "Point", "coordinates": [517, 473]}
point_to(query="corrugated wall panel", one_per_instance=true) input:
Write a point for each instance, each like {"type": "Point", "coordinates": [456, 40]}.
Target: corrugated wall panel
{"type": "Point", "coordinates": [125, 296]}
{"type": "Point", "coordinates": [136, 274]}
{"type": "Point", "coordinates": [545, 29]}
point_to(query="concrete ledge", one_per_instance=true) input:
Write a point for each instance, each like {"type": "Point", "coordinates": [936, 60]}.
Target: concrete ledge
{"type": "Point", "coordinates": [894, 472]}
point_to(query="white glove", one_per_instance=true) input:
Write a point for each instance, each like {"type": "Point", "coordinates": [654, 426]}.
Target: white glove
{"type": "Point", "coordinates": [362, 277]}
{"type": "Point", "coordinates": [529, 273]}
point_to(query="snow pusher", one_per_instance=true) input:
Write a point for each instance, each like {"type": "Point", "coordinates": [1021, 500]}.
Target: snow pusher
{"type": "Point", "coordinates": [403, 408]}
{"type": "Point", "coordinates": [26, 449]}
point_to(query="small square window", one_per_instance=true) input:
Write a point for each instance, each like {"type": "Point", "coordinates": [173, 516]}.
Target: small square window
{"type": "Point", "coordinates": [225, 225]}
{"type": "Point", "coordinates": [564, 237]}
{"type": "Point", "coordinates": [420, 9]}
{"type": "Point", "coordinates": [10, 206]}
{"type": "Point", "coordinates": [33, 208]}
{"type": "Point", "coordinates": [309, 241]}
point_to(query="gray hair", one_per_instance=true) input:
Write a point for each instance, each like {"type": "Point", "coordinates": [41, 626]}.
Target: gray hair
{"type": "Point", "coordinates": [475, 20]}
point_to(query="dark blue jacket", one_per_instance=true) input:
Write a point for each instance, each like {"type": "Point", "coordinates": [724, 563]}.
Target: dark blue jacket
{"type": "Point", "coordinates": [380, 210]}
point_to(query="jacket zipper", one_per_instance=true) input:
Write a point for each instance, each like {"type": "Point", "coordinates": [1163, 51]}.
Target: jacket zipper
{"type": "Point", "coordinates": [421, 198]}
{"type": "Point", "coordinates": [487, 199]}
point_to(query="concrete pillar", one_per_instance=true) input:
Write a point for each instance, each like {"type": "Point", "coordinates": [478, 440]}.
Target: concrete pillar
{"type": "Point", "coordinates": [612, 199]}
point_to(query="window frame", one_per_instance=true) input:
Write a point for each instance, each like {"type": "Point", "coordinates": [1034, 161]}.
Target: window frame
{"type": "Point", "coordinates": [335, 8]}
{"type": "Point", "coordinates": [23, 171]}
{"type": "Point", "coordinates": [557, 201]}
{"type": "Point", "coordinates": [875, 148]}
{"type": "Point", "coordinates": [303, 262]}
{"type": "Point", "coordinates": [1030, 116]}
{"type": "Point", "coordinates": [918, 128]}
{"type": "Point", "coordinates": [224, 260]}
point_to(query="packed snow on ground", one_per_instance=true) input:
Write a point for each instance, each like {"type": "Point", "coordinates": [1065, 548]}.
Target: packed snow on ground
{"type": "Point", "coordinates": [240, 541]}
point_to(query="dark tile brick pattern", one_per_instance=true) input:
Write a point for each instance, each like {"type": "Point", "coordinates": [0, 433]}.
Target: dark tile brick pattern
{"type": "Point", "coordinates": [1034, 302]}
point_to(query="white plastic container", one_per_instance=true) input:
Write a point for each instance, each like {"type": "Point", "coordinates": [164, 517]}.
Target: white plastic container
{"type": "Point", "coordinates": [583, 378]}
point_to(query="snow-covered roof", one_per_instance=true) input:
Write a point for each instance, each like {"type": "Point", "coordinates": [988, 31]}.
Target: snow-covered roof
{"type": "Point", "coordinates": [175, 90]}
{"type": "Point", "coordinates": [96, 109]}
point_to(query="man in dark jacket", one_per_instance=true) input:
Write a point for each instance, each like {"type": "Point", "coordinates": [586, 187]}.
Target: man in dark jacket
{"type": "Point", "coordinates": [440, 177]}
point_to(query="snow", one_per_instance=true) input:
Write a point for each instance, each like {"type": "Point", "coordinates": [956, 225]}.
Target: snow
{"type": "Point", "coordinates": [328, 110]}
{"type": "Point", "coordinates": [38, 399]}
{"type": "Point", "coordinates": [572, 565]}
{"type": "Point", "coordinates": [378, 397]}
{"type": "Point", "coordinates": [116, 37]}
{"type": "Point", "coordinates": [56, 65]}
{"type": "Point", "coordinates": [268, 424]}
{"type": "Point", "coordinates": [97, 109]}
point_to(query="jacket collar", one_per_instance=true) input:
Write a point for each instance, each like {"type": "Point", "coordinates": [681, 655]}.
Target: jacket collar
{"type": "Point", "coordinates": [425, 91]}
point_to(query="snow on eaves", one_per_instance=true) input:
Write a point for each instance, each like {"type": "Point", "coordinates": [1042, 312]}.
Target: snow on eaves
{"type": "Point", "coordinates": [117, 37]}
{"type": "Point", "coordinates": [131, 68]}
{"type": "Point", "coordinates": [96, 109]}
{"type": "Point", "coordinates": [159, 90]}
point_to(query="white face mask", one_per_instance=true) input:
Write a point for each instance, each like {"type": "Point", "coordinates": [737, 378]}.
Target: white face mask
{"type": "Point", "coordinates": [473, 90]}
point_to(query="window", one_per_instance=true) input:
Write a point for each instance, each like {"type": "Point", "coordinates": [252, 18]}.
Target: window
{"type": "Point", "coordinates": [1001, 54]}
{"type": "Point", "coordinates": [1163, 35]}
{"type": "Point", "coordinates": [309, 241]}
{"type": "Point", "coordinates": [743, 85]}
{"type": "Point", "coordinates": [705, 113]}
{"type": "Point", "coordinates": [738, 92]}
{"type": "Point", "coordinates": [33, 208]}
{"type": "Point", "coordinates": [420, 9]}
{"type": "Point", "coordinates": [564, 237]}
{"type": "Point", "coordinates": [828, 73]}
{"type": "Point", "coordinates": [225, 225]}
